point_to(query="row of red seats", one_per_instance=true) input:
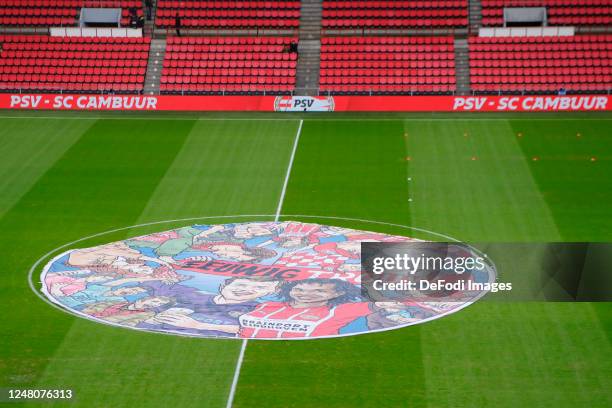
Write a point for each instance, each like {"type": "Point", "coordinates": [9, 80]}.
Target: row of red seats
{"type": "Point", "coordinates": [386, 89]}
{"type": "Point", "coordinates": [564, 80]}
{"type": "Point", "coordinates": [72, 70]}
{"type": "Point", "coordinates": [203, 4]}
{"type": "Point", "coordinates": [388, 64]}
{"type": "Point", "coordinates": [265, 62]}
{"type": "Point", "coordinates": [244, 23]}
{"type": "Point", "coordinates": [390, 48]}
{"type": "Point", "coordinates": [559, 12]}
{"type": "Point", "coordinates": [228, 64]}
{"type": "Point", "coordinates": [536, 63]}
{"type": "Point", "coordinates": [253, 49]}
{"type": "Point", "coordinates": [35, 57]}
{"type": "Point", "coordinates": [226, 88]}
{"type": "Point", "coordinates": [387, 72]}
{"type": "Point", "coordinates": [393, 61]}
{"type": "Point", "coordinates": [65, 78]}
{"type": "Point", "coordinates": [70, 87]}
{"type": "Point", "coordinates": [252, 41]}
{"type": "Point", "coordinates": [264, 72]}
{"type": "Point", "coordinates": [233, 56]}
{"type": "Point", "coordinates": [243, 13]}
{"type": "Point", "coordinates": [519, 62]}
{"type": "Point", "coordinates": [372, 41]}
{"type": "Point", "coordinates": [569, 39]}
{"type": "Point", "coordinates": [542, 71]}
{"type": "Point", "coordinates": [394, 14]}
{"type": "Point", "coordinates": [43, 39]}
{"type": "Point", "coordinates": [394, 23]}
{"type": "Point", "coordinates": [547, 47]}
{"type": "Point", "coordinates": [385, 56]}
{"type": "Point", "coordinates": [227, 79]}
{"type": "Point", "coordinates": [58, 47]}
{"type": "Point", "coordinates": [77, 62]}
{"type": "Point", "coordinates": [433, 4]}
{"type": "Point", "coordinates": [107, 62]}
{"type": "Point", "coordinates": [537, 88]}
{"type": "Point", "coordinates": [388, 80]}
{"type": "Point", "coordinates": [548, 3]}
{"type": "Point", "coordinates": [587, 21]}
{"type": "Point", "coordinates": [57, 12]}
{"type": "Point", "coordinates": [375, 14]}
{"type": "Point", "coordinates": [224, 14]}
{"type": "Point", "coordinates": [535, 55]}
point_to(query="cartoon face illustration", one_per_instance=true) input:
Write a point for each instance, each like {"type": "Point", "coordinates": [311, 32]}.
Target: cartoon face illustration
{"type": "Point", "coordinates": [239, 252]}
{"type": "Point", "coordinates": [123, 265]}
{"type": "Point", "coordinates": [126, 291]}
{"type": "Point", "coordinates": [252, 230]}
{"type": "Point", "coordinates": [306, 292]}
{"type": "Point", "coordinates": [292, 241]}
{"type": "Point", "coordinates": [98, 278]}
{"type": "Point", "coordinates": [150, 302]}
{"type": "Point", "coordinates": [354, 247]}
{"type": "Point", "coordinates": [390, 306]}
{"type": "Point", "coordinates": [102, 255]}
{"type": "Point", "coordinates": [235, 252]}
{"type": "Point", "coordinates": [248, 289]}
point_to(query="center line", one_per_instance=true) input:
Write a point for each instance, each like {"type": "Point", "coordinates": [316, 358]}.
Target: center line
{"type": "Point", "coordinates": [230, 398]}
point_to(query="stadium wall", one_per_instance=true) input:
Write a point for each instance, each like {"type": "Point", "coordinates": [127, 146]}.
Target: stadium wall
{"type": "Point", "coordinates": [539, 103]}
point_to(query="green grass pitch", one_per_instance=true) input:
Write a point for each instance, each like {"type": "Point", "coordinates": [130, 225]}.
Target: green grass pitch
{"type": "Point", "coordinates": [476, 178]}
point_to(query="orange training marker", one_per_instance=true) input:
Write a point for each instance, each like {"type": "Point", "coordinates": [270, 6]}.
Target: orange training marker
{"type": "Point", "coordinates": [535, 158]}
{"type": "Point", "coordinates": [593, 158]}
{"type": "Point", "coordinates": [408, 158]}
{"type": "Point", "coordinates": [474, 158]}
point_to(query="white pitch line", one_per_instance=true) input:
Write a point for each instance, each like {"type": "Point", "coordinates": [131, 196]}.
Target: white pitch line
{"type": "Point", "coordinates": [230, 398]}
{"type": "Point", "coordinates": [288, 174]}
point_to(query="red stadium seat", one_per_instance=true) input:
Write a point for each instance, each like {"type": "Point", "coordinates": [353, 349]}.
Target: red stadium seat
{"type": "Point", "coordinates": [541, 64]}
{"type": "Point", "coordinates": [73, 63]}
{"type": "Point", "coordinates": [387, 65]}
{"type": "Point", "coordinates": [228, 65]}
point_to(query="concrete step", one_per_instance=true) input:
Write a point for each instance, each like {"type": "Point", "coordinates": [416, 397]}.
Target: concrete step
{"type": "Point", "coordinates": [154, 66]}
{"type": "Point", "coordinates": [309, 48]}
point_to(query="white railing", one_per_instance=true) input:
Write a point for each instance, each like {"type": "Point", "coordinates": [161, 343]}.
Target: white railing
{"type": "Point", "coordinates": [94, 32]}
{"type": "Point", "coordinates": [526, 31]}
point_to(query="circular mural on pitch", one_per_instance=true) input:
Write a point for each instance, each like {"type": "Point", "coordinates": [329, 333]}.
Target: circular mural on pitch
{"type": "Point", "coordinates": [257, 280]}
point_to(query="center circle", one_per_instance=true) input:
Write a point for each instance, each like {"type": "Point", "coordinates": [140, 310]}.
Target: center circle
{"type": "Point", "coordinates": [251, 280]}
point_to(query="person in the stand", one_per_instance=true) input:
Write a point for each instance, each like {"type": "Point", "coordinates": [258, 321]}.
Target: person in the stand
{"type": "Point", "coordinates": [149, 8]}
{"type": "Point", "coordinates": [177, 24]}
{"type": "Point", "coordinates": [293, 47]}
{"type": "Point", "coordinates": [141, 22]}
{"type": "Point", "coordinates": [133, 17]}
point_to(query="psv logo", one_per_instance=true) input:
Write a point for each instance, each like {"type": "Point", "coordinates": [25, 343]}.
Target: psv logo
{"type": "Point", "coordinates": [304, 103]}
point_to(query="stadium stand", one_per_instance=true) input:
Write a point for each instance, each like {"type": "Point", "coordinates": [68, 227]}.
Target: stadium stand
{"type": "Point", "coordinates": [577, 64]}
{"type": "Point", "coordinates": [417, 14]}
{"type": "Point", "coordinates": [73, 64]}
{"type": "Point", "coordinates": [58, 12]}
{"type": "Point", "coordinates": [229, 65]}
{"type": "Point", "coordinates": [228, 14]}
{"type": "Point", "coordinates": [394, 65]}
{"type": "Point", "coordinates": [560, 12]}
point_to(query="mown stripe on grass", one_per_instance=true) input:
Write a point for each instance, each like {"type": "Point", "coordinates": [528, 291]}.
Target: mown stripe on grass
{"type": "Point", "coordinates": [222, 168]}
{"type": "Point", "coordinates": [347, 170]}
{"type": "Point", "coordinates": [103, 181]}
{"type": "Point", "coordinates": [28, 149]}
{"type": "Point", "coordinates": [571, 162]}
{"type": "Point", "coordinates": [492, 354]}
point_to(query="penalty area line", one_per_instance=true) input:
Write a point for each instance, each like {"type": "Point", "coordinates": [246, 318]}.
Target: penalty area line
{"type": "Point", "coordinates": [243, 346]}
